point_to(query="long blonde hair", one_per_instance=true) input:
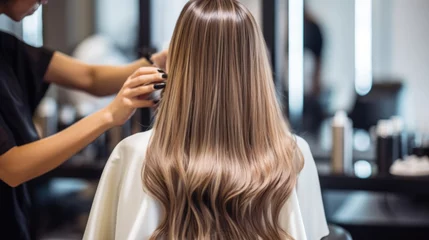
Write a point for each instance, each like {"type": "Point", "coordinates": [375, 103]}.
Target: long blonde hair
{"type": "Point", "coordinates": [221, 160]}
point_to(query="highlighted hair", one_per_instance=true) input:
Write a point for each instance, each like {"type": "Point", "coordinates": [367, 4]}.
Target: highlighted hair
{"type": "Point", "coordinates": [222, 161]}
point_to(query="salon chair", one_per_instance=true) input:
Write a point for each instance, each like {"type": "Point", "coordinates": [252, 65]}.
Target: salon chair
{"type": "Point", "coordinates": [382, 102]}
{"type": "Point", "coordinates": [337, 233]}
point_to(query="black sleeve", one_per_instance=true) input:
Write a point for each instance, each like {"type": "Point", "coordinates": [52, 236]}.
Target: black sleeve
{"type": "Point", "coordinates": [6, 138]}
{"type": "Point", "coordinates": [30, 65]}
{"type": "Point", "coordinates": [313, 38]}
{"type": "Point", "coordinates": [318, 45]}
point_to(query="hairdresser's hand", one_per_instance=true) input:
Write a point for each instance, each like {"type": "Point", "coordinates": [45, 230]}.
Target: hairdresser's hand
{"type": "Point", "coordinates": [160, 59]}
{"type": "Point", "coordinates": [134, 94]}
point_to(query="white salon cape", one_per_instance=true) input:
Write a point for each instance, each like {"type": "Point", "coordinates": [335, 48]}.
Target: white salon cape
{"type": "Point", "coordinates": [123, 211]}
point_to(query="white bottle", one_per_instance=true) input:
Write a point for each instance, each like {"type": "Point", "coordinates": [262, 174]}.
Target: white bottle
{"type": "Point", "coordinates": [342, 144]}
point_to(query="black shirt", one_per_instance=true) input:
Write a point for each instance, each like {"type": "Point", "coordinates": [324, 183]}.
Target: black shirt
{"type": "Point", "coordinates": [313, 38]}
{"type": "Point", "coordinates": [22, 69]}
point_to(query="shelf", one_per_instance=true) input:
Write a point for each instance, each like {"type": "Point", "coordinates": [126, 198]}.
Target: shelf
{"type": "Point", "coordinates": [392, 184]}
{"type": "Point", "coordinates": [92, 173]}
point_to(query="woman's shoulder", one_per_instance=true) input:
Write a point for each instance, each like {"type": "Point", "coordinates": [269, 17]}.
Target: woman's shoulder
{"type": "Point", "coordinates": [141, 137]}
{"type": "Point", "coordinates": [138, 141]}
{"type": "Point", "coordinates": [302, 145]}
{"type": "Point", "coordinates": [133, 147]}
{"type": "Point", "coordinates": [307, 156]}
{"type": "Point", "coordinates": [309, 170]}
{"type": "Point", "coordinates": [309, 195]}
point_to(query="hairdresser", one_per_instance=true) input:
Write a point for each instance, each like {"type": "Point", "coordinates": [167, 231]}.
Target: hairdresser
{"type": "Point", "coordinates": [25, 74]}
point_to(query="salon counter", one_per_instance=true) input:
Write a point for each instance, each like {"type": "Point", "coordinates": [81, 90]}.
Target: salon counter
{"type": "Point", "coordinates": [391, 184]}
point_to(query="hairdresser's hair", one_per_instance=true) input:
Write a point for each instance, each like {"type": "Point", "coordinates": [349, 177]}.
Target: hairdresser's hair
{"type": "Point", "coordinates": [221, 161]}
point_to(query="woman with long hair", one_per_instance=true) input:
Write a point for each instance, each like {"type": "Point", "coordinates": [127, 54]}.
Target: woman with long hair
{"type": "Point", "coordinates": [220, 162]}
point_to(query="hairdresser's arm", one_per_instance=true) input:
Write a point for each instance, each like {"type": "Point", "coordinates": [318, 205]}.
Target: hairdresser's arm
{"type": "Point", "coordinates": [93, 79]}
{"type": "Point", "coordinates": [23, 163]}
{"type": "Point", "coordinates": [26, 162]}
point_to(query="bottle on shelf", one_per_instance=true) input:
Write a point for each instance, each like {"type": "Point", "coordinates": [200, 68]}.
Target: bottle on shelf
{"type": "Point", "coordinates": [342, 144]}
{"type": "Point", "coordinates": [385, 152]}
{"type": "Point", "coordinates": [400, 143]}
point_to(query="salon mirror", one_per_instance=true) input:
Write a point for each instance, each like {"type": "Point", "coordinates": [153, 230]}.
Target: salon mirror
{"type": "Point", "coordinates": [371, 56]}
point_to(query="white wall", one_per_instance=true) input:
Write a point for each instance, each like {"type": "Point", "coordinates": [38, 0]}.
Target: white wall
{"type": "Point", "coordinates": [120, 22]}
{"type": "Point", "coordinates": [401, 50]}
{"type": "Point", "coordinates": [164, 17]}
{"type": "Point", "coordinates": [410, 55]}
{"type": "Point", "coordinates": [381, 38]}
{"type": "Point", "coordinates": [336, 19]}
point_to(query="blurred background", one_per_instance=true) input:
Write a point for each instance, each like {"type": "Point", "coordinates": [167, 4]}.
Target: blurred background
{"type": "Point", "coordinates": [351, 75]}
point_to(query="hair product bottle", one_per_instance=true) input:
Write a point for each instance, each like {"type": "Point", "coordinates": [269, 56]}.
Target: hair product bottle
{"type": "Point", "coordinates": [342, 144]}
{"type": "Point", "coordinates": [385, 147]}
